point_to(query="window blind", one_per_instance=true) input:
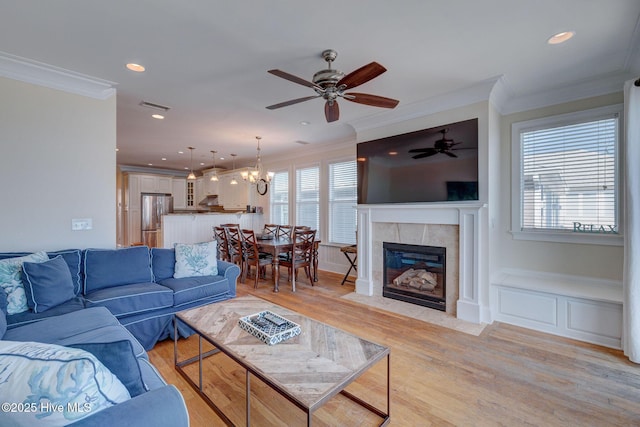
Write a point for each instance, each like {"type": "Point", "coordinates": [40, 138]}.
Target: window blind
{"type": "Point", "coordinates": [279, 199]}
{"type": "Point", "coordinates": [569, 177]}
{"type": "Point", "coordinates": [342, 201]}
{"type": "Point", "coordinates": [308, 197]}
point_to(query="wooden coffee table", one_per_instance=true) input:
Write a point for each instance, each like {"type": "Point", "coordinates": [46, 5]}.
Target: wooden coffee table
{"type": "Point", "coordinates": [291, 367]}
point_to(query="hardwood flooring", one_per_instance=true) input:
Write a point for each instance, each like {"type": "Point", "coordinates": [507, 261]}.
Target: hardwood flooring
{"type": "Point", "coordinates": [506, 376]}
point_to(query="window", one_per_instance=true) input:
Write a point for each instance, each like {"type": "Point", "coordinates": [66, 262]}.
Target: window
{"type": "Point", "coordinates": [565, 172]}
{"type": "Point", "coordinates": [342, 201]}
{"type": "Point", "coordinates": [279, 199]}
{"type": "Point", "coordinates": [308, 197]}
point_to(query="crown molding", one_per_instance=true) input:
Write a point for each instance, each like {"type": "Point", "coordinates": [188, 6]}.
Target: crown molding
{"type": "Point", "coordinates": [41, 74]}
{"type": "Point", "coordinates": [478, 92]}
{"type": "Point", "coordinates": [603, 85]}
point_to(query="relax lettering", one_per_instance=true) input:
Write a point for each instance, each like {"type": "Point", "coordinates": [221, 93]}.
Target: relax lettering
{"type": "Point", "coordinates": [593, 228]}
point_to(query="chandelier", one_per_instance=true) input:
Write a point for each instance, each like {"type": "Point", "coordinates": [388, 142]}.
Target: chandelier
{"type": "Point", "coordinates": [257, 173]}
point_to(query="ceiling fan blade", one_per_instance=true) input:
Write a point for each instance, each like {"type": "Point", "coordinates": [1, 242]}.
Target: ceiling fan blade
{"type": "Point", "coordinates": [422, 150]}
{"type": "Point", "coordinates": [374, 100]}
{"type": "Point", "coordinates": [331, 111]}
{"type": "Point", "coordinates": [450, 154]}
{"type": "Point", "coordinates": [291, 102]}
{"type": "Point", "coordinates": [427, 154]}
{"type": "Point", "coordinates": [294, 79]}
{"type": "Point", "coordinates": [361, 75]}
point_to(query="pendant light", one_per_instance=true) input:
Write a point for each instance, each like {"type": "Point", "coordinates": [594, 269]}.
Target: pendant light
{"type": "Point", "coordinates": [214, 177]}
{"type": "Point", "coordinates": [191, 175]}
{"type": "Point", "coordinates": [233, 179]}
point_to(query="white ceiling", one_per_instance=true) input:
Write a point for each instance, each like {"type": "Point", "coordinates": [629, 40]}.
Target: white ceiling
{"type": "Point", "coordinates": [208, 60]}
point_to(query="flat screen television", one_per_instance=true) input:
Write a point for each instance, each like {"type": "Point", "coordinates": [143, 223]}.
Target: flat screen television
{"type": "Point", "coordinates": [439, 164]}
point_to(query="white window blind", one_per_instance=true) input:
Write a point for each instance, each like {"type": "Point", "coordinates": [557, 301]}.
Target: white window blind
{"type": "Point", "coordinates": [342, 201]}
{"type": "Point", "coordinates": [279, 199]}
{"type": "Point", "coordinates": [568, 179]}
{"type": "Point", "coordinates": [308, 197]}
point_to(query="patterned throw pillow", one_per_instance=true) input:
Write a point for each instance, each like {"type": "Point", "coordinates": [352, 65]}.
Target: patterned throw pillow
{"type": "Point", "coordinates": [11, 280]}
{"type": "Point", "coordinates": [53, 385]}
{"type": "Point", "coordinates": [196, 260]}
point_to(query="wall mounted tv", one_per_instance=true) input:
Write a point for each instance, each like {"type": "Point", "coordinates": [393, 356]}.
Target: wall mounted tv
{"type": "Point", "coordinates": [439, 164]}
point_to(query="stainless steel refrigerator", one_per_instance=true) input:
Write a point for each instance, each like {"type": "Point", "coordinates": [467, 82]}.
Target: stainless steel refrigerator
{"type": "Point", "coordinates": [154, 205]}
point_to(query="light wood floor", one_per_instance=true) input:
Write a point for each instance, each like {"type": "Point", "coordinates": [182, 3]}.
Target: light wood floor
{"type": "Point", "coordinates": [507, 376]}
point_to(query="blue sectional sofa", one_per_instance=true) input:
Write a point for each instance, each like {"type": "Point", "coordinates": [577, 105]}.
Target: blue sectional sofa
{"type": "Point", "coordinates": [116, 305]}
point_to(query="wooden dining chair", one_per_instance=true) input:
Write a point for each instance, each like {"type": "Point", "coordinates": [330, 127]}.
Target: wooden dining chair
{"type": "Point", "coordinates": [253, 257]}
{"type": "Point", "coordinates": [223, 246]}
{"type": "Point", "coordinates": [284, 231]}
{"type": "Point", "coordinates": [270, 230]}
{"type": "Point", "coordinates": [234, 243]}
{"type": "Point", "coordinates": [301, 255]}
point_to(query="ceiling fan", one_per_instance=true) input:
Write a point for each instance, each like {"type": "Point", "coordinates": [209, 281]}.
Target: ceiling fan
{"type": "Point", "coordinates": [331, 84]}
{"type": "Point", "coordinates": [443, 145]}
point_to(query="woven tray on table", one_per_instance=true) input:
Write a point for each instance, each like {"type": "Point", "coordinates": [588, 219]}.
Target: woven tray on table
{"type": "Point", "coordinates": [267, 331]}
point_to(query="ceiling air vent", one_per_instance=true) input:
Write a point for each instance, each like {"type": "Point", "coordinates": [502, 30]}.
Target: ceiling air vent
{"type": "Point", "coordinates": [302, 142]}
{"type": "Point", "coordinates": [154, 106]}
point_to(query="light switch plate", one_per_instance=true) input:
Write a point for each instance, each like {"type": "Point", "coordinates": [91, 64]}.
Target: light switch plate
{"type": "Point", "coordinates": [81, 224]}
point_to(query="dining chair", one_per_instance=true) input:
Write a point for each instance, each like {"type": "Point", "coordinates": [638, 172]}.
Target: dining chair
{"type": "Point", "coordinates": [284, 231]}
{"type": "Point", "coordinates": [223, 246]}
{"type": "Point", "coordinates": [302, 253]}
{"type": "Point", "coordinates": [270, 230]}
{"type": "Point", "coordinates": [253, 257]}
{"type": "Point", "coordinates": [234, 243]}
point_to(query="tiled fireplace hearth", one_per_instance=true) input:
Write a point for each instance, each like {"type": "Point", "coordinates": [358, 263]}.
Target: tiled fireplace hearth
{"type": "Point", "coordinates": [456, 227]}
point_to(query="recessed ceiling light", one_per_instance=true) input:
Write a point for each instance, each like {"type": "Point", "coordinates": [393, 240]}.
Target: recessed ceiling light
{"type": "Point", "coordinates": [221, 158]}
{"type": "Point", "coordinates": [186, 168]}
{"type": "Point", "coordinates": [201, 164]}
{"type": "Point", "coordinates": [393, 153]}
{"type": "Point", "coordinates": [150, 164]}
{"type": "Point", "coordinates": [180, 152]}
{"type": "Point", "coordinates": [157, 116]}
{"type": "Point", "coordinates": [561, 37]}
{"type": "Point", "coordinates": [305, 123]}
{"type": "Point", "coordinates": [164, 158]}
{"type": "Point", "coordinates": [135, 67]}
{"type": "Point", "coordinates": [117, 149]}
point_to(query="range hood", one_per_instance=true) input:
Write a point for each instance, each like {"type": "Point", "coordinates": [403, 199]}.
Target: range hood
{"type": "Point", "coordinates": [209, 201]}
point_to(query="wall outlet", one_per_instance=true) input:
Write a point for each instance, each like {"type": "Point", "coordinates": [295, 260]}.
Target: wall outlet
{"type": "Point", "coordinates": [81, 224]}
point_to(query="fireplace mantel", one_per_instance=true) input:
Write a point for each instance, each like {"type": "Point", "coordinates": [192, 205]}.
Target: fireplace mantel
{"type": "Point", "coordinates": [468, 216]}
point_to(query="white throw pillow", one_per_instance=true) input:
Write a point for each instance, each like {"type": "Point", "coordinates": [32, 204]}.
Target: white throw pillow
{"type": "Point", "coordinates": [51, 385]}
{"type": "Point", "coordinates": [196, 260]}
{"type": "Point", "coordinates": [11, 280]}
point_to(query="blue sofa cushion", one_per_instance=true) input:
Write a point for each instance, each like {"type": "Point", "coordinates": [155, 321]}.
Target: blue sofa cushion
{"type": "Point", "coordinates": [190, 289]}
{"type": "Point", "coordinates": [106, 268]}
{"type": "Point", "coordinates": [3, 324]}
{"type": "Point", "coordinates": [163, 262]}
{"type": "Point", "coordinates": [74, 304]}
{"type": "Point", "coordinates": [94, 324]}
{"type": "Point", "coordinates": [125, 300]}
{"type": "Point", "coordinates": [11, 280]}
{"type": "Point", "coordinates": [47, 284]}
{"type": "Point", "coordinates": [73, 257]}
{"type": "Point", "coordinates": [118, 358]}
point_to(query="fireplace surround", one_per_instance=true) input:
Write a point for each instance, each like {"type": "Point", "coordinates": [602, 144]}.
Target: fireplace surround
{"type": "Point", "coordinates": [460, 227]}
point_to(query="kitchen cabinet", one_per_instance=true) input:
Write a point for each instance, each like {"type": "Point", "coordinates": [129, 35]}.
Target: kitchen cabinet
{"type": "Point", "coordinates": [179, 192]}
{"type": "Point", "coordinates": [155, 184]}
{"type": "Point", "coordinates": [236, 196]}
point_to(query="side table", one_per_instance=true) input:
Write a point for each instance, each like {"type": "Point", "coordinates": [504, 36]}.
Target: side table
{"type": "Point", "coordinates": [351, 253]}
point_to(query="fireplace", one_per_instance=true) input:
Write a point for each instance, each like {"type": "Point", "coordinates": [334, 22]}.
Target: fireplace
{"type": "Point", "coordinates": [415, 274]}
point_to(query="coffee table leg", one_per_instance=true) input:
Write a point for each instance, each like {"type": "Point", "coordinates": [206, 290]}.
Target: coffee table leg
{"type": "Point", "coordinates": [248, 398]}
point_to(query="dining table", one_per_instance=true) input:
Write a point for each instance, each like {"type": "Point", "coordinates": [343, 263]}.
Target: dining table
{"type": "Point", "coordinates": [282, 245]}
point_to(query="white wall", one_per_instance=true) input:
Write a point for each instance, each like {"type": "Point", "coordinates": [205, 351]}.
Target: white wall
{"type": "Point", "coordinates": [595, 261]}
{"type": "Point", "coordinates": [58, 162]}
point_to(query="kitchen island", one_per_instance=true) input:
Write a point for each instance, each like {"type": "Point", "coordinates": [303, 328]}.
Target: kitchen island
{"type": "Point", "coordinates": [198, 227]}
